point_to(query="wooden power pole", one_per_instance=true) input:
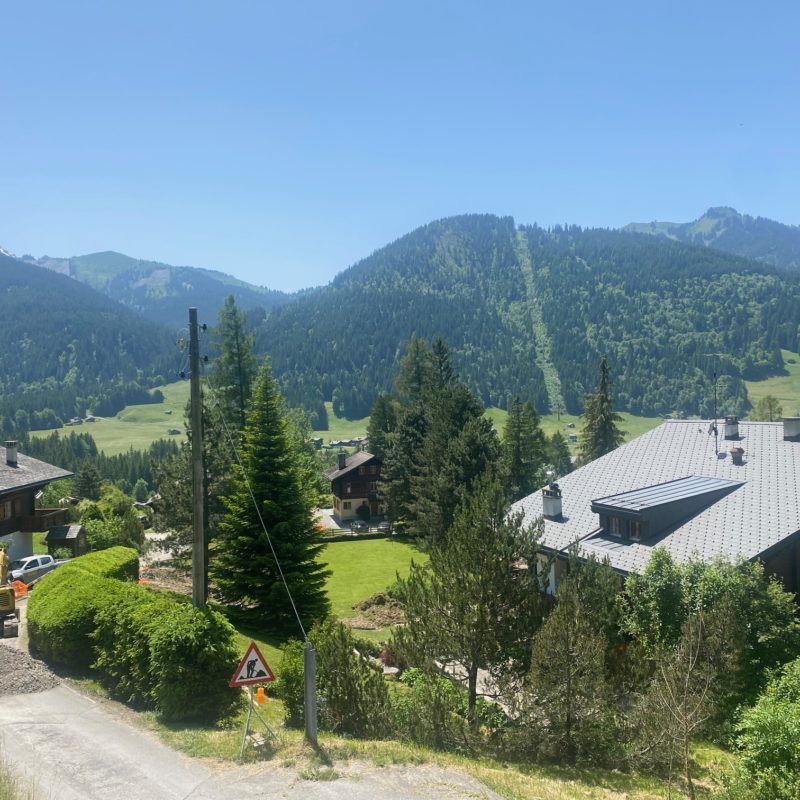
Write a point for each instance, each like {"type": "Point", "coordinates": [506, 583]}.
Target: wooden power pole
{"type": "Point", "coordinates": [196, 421]}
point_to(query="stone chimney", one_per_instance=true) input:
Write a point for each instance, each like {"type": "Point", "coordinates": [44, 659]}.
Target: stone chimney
{"type": "Point", "coordinates": [11, 454]}
{"type": "Point", "coordinates": [342, 459]}
{"type": "Point", "coordinates": [791, 429]}
{"type": "Point", "coordinates": [551, 498]}
{"type": "Point", "coordinates": [731, 427]}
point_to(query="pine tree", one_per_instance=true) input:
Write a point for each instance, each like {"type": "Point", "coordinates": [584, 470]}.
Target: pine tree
{"type": "Point", "coordinates": [557, 454]}
{"type": "Point", "coordinates": [567, 698]}
{"type": "Point", "coordinates": [415, 370]}
{"type": "Point", "coordinates": [234, 369]}
{"type": "Point", "coordinates": [600, 433]}
{"type": "Point", "coordinates": [460, 445]}
{"type": "Point", "coordinates": [382, 425]}
{"type": "Point", "coordinates": [87, 483]}
{"type": "Point", "coordinates": [242, 564]}
{"type": "Point", "coordinates": [523, 450]}
{"type": "Point", "coordinates": [467, 607]}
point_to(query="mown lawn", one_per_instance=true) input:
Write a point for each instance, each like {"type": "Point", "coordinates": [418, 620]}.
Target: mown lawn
{"type": "Point", "coordinates": [360, 569]}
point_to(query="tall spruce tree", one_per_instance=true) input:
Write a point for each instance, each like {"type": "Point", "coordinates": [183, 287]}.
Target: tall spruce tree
{"type": "Point", "coordinates": [600, 433]}
{"type": "Point", "coordinates": [524, 454]}
{"type": "Point", "coordinates": [382, 425]}
{"type": "Point", "coordinates": [242, 564]}
{"type": "Point", "coordinates": [234, 369]}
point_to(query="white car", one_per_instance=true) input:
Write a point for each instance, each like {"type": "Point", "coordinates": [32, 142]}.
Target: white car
{"type": "Point", "coordinates": [31, 568]}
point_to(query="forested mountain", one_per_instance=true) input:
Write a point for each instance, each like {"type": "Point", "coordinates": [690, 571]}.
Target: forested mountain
{"type": "Point", "coordinates": [458, 278]}
{"type": "Point", "coordinates": [529, 312]}
{"type": "Point", "coordinates": [65, 349]}
{"type": "Point", "coordinates": [726, 229]}
{"type": "Point", "coordinates": [160, 292]}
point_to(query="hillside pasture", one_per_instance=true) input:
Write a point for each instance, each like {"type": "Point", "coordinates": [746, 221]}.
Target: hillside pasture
{"type": "Point", "coordinates": [137, 426]}
{"type": "Point", "coordinates": [786, 388]}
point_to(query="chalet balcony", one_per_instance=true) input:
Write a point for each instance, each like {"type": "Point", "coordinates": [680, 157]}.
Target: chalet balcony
{"type": "Point", "coordinates": [44, 519]}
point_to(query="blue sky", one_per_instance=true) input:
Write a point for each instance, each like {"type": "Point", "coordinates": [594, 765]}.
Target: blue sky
{"type": "Point", "coordinates": [283, 142]}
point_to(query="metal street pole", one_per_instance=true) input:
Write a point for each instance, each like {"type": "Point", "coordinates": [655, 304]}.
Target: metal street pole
{"type": "Point", "coordinates": [196, 421]}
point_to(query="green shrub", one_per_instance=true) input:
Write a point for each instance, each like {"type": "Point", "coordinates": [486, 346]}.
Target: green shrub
{"type": "Point", "coordinates": [192, 658]}
{"type": "Point", "coordinates": [157, 651]}
{"type": "Point", "coordinates": [62, 610]}
{"type": "Point", "coordinates": [62, 613]}
{"type": "Point", "coordinates": [351, 692]}
{"type": "Point", "coordinates": [769, 742]}
{"type": "Point", "coordinates": [148, 648]}
{"type": "Point", "coordinates": [428, 709]}
{"type": "Point", "coordinates": [290, 686]}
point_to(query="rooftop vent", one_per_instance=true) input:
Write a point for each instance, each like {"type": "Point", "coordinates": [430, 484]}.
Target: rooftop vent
{"type": "Point", "coordinates": [737, 456]}
{"type": "Point", "coordinates": [791, 429]}
{"type": "Point", "coordinates": [342, 459]}
{"type": "Point", "coordinates": [11, 454]}
{"type": "Point", "coordinates": [551, 498]}
{"type": "Point", "coordinates": [731, 427]}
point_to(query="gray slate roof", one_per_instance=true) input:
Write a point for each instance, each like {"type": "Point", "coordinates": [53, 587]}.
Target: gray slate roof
{"type": "Point", "coordinates": [61, 533]}
{"type": "Point", "coordinates": [759, 515]}
{"type": "Point", "coordinates": [28, 472]}
{"type": "Point", "coordinates": [356, 460]}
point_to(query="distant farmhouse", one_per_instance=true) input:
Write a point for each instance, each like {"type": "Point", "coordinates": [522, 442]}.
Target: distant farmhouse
{"type": "Point", "coordinates": [354, 485]}
{"type": "Point", "coordinates": [21, 478]}
{"type": "Point", "coordinates": [697, 489]}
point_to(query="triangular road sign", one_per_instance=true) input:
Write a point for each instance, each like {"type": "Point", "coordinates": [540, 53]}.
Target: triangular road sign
{"type": "Point", "coordinates": [253, 668]}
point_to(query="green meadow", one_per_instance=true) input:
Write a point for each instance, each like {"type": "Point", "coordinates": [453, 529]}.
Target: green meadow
{"type": "Point", "coordinates": [786, 388]}
{"type": "Point", "coordinates": [139, 425]}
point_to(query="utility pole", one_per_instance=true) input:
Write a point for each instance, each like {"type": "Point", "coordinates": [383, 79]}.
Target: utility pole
{"type": "Point", "coordinates": [196, 419]}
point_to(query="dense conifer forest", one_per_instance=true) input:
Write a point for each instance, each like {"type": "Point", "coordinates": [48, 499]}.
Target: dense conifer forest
{"type": "Point", "coordinates": [66, 349]}
{"type": "Point", "coordinates": [527, 312]}
{"type": "Point", "coordinates": [519, 304]}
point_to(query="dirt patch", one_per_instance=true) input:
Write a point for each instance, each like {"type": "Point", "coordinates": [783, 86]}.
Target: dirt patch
{"type": "Point", "coordinates": [378, 611]}
{"type": "Point", "coordinates": [162, 576]}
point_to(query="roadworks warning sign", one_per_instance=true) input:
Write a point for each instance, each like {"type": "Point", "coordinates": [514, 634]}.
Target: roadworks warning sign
{"type": "Point", "coordinates": [253, 668]}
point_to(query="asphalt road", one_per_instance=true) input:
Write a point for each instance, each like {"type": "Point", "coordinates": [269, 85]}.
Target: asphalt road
{"type": "Point", "coordinates": [69, 747]}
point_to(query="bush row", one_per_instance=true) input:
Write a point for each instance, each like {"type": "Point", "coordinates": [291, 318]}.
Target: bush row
{"type": "Point", "coordinates": [63, 608]}
{"type": "Point", "coordinates": [151, 649]}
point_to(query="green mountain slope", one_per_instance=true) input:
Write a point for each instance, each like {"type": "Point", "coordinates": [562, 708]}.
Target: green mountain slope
{"type": "Point", "coordinates": [66, 347]}
{"type": "Point", "coordinates": [526, 311]}
{"type": "Point", "coordinates": [457, 278]}
{"type": "Point", "coordinates": [161, 292]}
{"type": "Point", "coordinates": [726, 229]}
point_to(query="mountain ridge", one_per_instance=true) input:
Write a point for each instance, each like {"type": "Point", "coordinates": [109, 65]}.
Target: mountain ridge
{"type": "Point", "coordinates": [724, 228]}
{"type": "Point", "coordinates": [158, 291]}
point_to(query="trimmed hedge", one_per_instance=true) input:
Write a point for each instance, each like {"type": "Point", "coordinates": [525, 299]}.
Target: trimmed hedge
{"type": "Point", "coordinates": [151, 649]}
{"type": "Point", "coordinates": [63, 607]}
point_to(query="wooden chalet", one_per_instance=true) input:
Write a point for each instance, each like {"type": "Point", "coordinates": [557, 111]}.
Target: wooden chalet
{"type": "Point", "coordinates": [354, 485]}
{"type": "Point", "coordinates": [21, 479]}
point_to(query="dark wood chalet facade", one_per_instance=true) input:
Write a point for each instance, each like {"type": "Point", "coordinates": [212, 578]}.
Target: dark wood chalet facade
{"type": "Point", "coordinates": [354, 484]}
{"type": "Point", "coordinates": [21, 478]}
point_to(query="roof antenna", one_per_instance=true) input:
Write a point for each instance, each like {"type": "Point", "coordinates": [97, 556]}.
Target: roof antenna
{"type": "Point", "coordinates": [712, 428]}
